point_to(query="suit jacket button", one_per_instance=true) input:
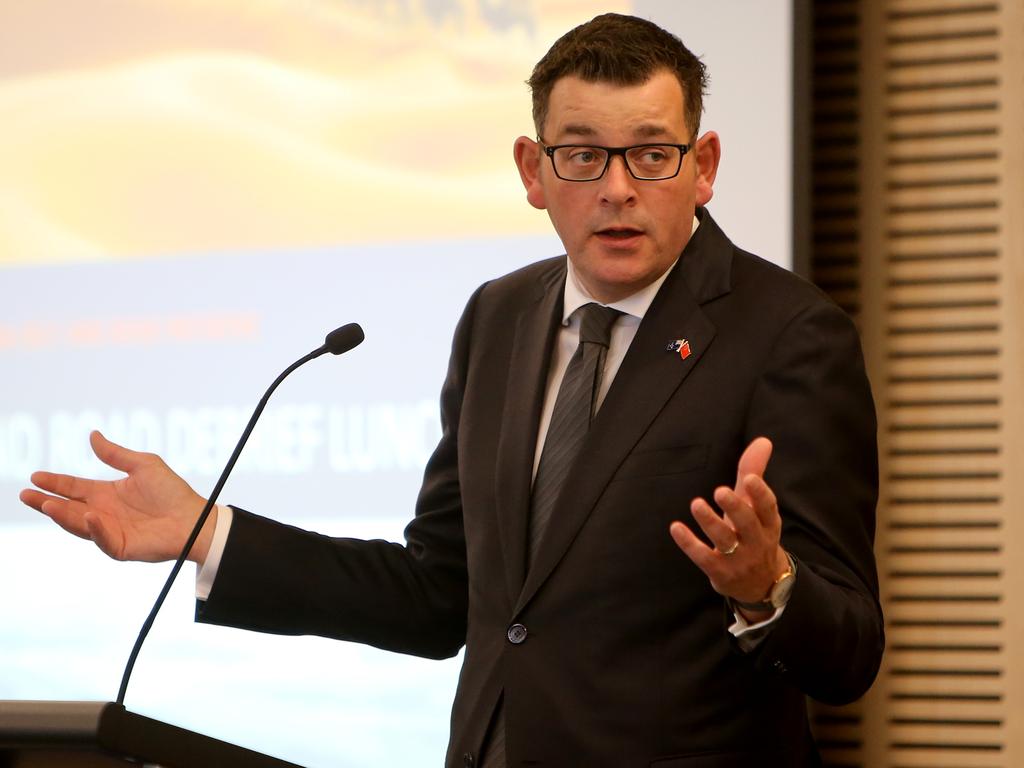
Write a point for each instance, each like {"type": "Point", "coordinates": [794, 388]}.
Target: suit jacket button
{"type": "Point", "coordinates": [517, 634]}
{"type": "Point", "coordinates": [468, 761]}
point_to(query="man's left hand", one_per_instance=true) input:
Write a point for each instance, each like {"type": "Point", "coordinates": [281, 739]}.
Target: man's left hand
{"type": "Point", "coordinates": [746, 556]}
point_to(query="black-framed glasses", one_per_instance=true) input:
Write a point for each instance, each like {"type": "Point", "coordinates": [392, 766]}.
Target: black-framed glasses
{"type": "Point", "coordinates": [645, 162]}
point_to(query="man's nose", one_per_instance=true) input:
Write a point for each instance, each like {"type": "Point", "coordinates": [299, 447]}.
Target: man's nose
{"type": "Point", "coordinates": [617, 184]}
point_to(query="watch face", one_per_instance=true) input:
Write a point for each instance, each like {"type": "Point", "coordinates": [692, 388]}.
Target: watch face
{"type": "Point", "coordinates": [782, 589]}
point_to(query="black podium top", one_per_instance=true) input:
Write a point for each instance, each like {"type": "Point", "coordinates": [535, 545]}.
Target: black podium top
{"type": "Point", "coordinates": [110, 729]}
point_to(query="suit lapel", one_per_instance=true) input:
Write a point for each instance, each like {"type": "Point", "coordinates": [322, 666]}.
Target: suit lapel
{"type": "Point", "coordinates": [647, 378]}
{"type": "Point", "coordinates": [530, 358]}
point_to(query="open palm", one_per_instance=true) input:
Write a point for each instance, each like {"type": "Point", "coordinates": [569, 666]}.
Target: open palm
{"type": "Point", "coordinates": [146, 515]}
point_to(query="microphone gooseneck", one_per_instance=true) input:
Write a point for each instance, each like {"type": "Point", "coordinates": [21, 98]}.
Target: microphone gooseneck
{"type": "Point", "coordinates": [337, 342]}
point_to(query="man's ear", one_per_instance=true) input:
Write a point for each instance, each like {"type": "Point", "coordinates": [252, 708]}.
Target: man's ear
{"type": "Point", "coordinates": [708, 152]}
{"type": "Point", "coordinates": [527, 153]}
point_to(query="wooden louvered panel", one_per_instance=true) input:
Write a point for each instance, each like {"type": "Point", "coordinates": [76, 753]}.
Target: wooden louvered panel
{"type": "Point", "coordinates": [951, 350]}
{"type": "Point", "coordinates": [968, 411]}
{"type": "Point", "coordinates": [958, 501]}
{"type": "Point", "coordinates": [944, 468]}
{"type": "Point", "coordinates": [911, 396]}
{"type": "Point", "coordinates": [961, 515]}
{"type": "Point", "coordinates": [966, 232]}
{"type": "Point", "coordinates": [906, 204]}
{"type": "Point", "coordinates": [956, 520]}
{"type": "Point", "coordinates": [963, 359]}
{"type": "Point", "coordinates": [961, 78]}
{"type": "Point", "coordinates": [943, 53]}
{"type": "Point", "coordinates": [955, 268]}
{"type": "Point", "coordinates": [946, 179]}
{"type": "Point", "coordinates": [937, 380]}
{"type": "Point", "coordinates": [940, 319]}
{"type": "Point", "coordinates": [908, 540]}
{"type": "Point", "coordinates": [943, 497]}
{"type": "Point", "coordinates": [921, 437]}
{"type": "Point", "coordinates": [940, 39]}
{"type": "Point", "coordinates": [923, 282]}
{"type": "Point", "coordinates": [958, 351]}
{"type": "Point", "coordinates": [900, 10]}
{"type": "Point", "coordinates": [1011, 142]}
{"type": "Point", "coordinates": [947, 271]}
{"type": "Point", "coordinates": [909, 268]}
{"type": "Point", "coordinates": [934, 255]}
{"type": "Point", "coordinates": [927, 582]}
{"type": "Point", "coordinates": [971, 120]}
{"type": "Point", "coordinates": [940, 173]}
{"type": "Point", "coordinates": [907, 28]}
{"type": "Point", "coordinates": [944, 96]}
{"type": "Point", "coordinates": [940, 517]}
{"type": "Point", "coordinates": [922, 506]}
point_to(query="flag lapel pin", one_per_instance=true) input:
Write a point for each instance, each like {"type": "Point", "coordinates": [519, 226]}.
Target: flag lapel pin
{"type": "Point", "coordinates": [682, 346]}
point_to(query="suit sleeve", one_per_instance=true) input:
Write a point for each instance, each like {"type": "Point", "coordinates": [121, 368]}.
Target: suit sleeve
{"type": "Point", "coordinates": [410, 598]}
{"type": "Point", "coordinates": [814, 401]}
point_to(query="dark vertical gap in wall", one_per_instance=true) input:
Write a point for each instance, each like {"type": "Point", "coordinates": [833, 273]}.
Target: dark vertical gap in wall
{"type": "Point", "coordinates": [828, 156]}
{"type": "Point", "coordinates": [803, 63]}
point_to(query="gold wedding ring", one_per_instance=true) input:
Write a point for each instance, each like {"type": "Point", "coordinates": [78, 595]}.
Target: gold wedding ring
{"type": "Point", "coordinates": [733, 548]}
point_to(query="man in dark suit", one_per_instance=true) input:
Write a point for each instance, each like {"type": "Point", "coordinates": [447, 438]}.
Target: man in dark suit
{"type": "Point", "coordinates": [610, 615]}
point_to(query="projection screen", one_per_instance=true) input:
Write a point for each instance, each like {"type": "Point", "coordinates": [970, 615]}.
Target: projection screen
{"type": "Point", "coordinates": [192, 195]}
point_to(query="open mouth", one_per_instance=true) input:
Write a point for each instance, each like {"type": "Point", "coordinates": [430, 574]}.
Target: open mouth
{"type": "Point", "coordinates": [620, 233]}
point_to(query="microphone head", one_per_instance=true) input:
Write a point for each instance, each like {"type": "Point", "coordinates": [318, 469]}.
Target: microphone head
{"type": "Point", "coordinates": [342, 339]}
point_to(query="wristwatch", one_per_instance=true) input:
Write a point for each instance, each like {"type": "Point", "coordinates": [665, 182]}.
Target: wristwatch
{"type": "Point", "coordinates": [778, 595]}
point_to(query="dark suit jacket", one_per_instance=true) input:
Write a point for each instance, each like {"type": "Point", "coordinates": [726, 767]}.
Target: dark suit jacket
{"type": "Point", "coordinates": [627, 660]}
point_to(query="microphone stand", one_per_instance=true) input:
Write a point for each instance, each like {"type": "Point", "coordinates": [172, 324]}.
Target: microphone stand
{"type": "Point", "coordinates": [338, 341]}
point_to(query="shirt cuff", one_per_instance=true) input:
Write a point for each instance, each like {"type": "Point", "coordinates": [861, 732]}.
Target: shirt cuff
{"type": "Point", "coordinates": [206, 574]}
{"type": "Point", "coordinates": [749, 636]}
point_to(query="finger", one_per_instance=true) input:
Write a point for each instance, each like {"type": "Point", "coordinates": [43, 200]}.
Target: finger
{"type": "Point", "coordinates": [722, 535]}
{"type": "Point", "coordinates": [69, 486]}
{"type": "Point", "coordinates": [736, 508]}
{"type": "Point", "coordinates": [33, 498]}
{"type": "Point", "coordinates": [67, 514]}
{"type": "Point", "coordinates": [699, 553]}
{"type": "Point", "coordinates": [754, 460]}
{"type": "Point", "coordinates": [763, 500]}
{"type": "Point", "coordinates": [114, 455]}
{"type": "Point", "coordinates": [738, 512]}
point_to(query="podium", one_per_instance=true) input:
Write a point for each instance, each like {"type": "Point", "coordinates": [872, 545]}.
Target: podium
{"type": "Point", "coordinates": [97, 734]}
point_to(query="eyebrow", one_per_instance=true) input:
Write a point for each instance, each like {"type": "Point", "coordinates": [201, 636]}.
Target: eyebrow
{"type": "Point", "coordinates": [651, 130]}
{"type": "Point", "coordinates": [578, 129]}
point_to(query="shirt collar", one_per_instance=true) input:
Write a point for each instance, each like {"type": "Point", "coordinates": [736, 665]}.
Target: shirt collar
{"type": "Point", "coordinates": [636, 304]}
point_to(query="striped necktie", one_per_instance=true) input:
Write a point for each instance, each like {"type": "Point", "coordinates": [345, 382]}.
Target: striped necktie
{"type": "Point", "coordinates": [571, 416]}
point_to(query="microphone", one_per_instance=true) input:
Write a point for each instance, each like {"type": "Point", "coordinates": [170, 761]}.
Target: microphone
{"type": "Point", "coordinates": [337, 342]}
{"type": "Point", "coordinates": [341, 340]}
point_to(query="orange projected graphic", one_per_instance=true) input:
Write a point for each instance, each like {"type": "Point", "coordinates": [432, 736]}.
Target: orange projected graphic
{"type": "Point", "coordinates": [121, 331]}
{"type": "Point", "coordinates": [147, 127]}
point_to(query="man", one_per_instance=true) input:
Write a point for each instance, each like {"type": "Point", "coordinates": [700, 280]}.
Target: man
{"type": "Point", "coordinates": [610, 615]}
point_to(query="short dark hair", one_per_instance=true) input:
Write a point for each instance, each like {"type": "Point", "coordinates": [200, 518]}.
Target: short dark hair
{"type": "Point", "coordinates": [622, 50]}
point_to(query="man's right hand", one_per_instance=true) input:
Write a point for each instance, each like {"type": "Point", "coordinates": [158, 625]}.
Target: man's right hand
{"type": "Point", "coordinates": [145, 516]}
